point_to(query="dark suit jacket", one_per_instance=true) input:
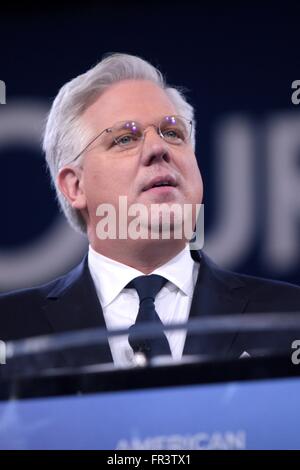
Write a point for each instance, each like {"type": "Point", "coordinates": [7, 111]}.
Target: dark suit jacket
{"type": "Point", "coordinates": [71, 303]}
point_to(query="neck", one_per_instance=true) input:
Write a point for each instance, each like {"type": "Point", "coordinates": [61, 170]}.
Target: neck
{"type": "Point", "coordinates": [143, 255]}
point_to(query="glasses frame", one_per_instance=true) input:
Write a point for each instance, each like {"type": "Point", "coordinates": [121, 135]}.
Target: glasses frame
{"type": "Point", "coordinates": [109, 129]}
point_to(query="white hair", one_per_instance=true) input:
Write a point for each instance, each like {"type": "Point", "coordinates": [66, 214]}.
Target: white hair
{"type": "Point", "coordinates": [65, 135]}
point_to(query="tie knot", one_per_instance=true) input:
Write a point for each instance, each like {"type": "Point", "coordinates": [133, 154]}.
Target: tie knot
{"type": "Point", "coordinates": [147, 286]}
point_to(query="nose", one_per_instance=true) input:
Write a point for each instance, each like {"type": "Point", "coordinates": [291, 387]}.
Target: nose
{"type": "Point", "coordinates": [154, 147]}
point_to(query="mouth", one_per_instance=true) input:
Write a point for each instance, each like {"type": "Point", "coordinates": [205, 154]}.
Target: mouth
{"type": "Point", "coordinates": [166, 181]}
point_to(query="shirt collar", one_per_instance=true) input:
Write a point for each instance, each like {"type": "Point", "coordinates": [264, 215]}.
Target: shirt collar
{"type": "Point", "coordinates": [110, 277]}
{"type": "Point", "coordinates": [179, 271]}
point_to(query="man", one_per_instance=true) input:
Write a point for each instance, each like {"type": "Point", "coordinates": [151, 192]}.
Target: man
{"type": "Point", "coordinates": [119, 130]}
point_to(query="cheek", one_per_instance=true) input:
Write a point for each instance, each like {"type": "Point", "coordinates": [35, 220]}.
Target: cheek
{"type": "Point", "coordinates": [197, 187]}
{"type": "Point", "coordinates": [194, 180]}
{"type": "Point", "coordinates": [105, 184]}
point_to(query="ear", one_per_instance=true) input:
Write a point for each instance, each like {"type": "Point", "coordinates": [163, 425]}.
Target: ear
{"type": "Point", "coordinates": [69, 181]}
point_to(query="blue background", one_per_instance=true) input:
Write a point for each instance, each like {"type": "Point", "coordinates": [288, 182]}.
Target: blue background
{"type": "Point", "coordinates": [238, 63]}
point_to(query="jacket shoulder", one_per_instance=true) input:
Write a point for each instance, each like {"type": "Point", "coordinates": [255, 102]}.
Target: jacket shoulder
{"type": "Point", "coordinates": [43, 290]}
{"type": "Point", "coordinates": [22, 310]}
{"type": "Point", "coordinates": [258, 288]}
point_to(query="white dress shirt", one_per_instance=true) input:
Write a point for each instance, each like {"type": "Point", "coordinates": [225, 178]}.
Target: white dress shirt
{"type": "Point", "coordinates": [120, 305]}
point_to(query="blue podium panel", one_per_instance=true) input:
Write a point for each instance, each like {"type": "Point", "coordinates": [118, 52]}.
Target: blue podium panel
{"type": "Point", "coordinates": [261, 414]}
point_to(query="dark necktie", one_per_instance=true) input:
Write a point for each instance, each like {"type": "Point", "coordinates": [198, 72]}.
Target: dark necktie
{"type": "Point", "coordinates": [147, 288]}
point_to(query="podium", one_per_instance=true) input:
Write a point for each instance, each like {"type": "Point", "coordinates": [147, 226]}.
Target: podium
{"type": "Point", "coordinates": [199, 403]}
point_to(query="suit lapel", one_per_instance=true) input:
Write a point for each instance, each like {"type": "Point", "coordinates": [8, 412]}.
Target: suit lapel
{"type": "Point", "coordinates": [72, 304]}
{"type": "Point", "coordinates": [215, 294]}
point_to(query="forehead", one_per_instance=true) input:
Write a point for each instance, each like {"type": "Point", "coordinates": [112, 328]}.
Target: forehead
{"type": "Point", "coordinates": [130, 99]}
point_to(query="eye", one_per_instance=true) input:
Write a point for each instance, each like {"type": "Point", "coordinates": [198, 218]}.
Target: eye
{"type": "Point", "coordinates": [175, 135]}
{"type": "Point", "coordinates": [171, 133]}
{"type": "Point", "coordinates": [125, 140]}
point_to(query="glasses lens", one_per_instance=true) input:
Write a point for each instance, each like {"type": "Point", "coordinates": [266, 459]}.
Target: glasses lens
{"type": "Point", "coordinates": [127, 134]}
{"type": "Point", "coordinates": [175, 129]}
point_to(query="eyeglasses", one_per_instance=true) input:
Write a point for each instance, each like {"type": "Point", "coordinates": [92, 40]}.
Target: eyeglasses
{"type": "Point", "coordinates": [127, 135]}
